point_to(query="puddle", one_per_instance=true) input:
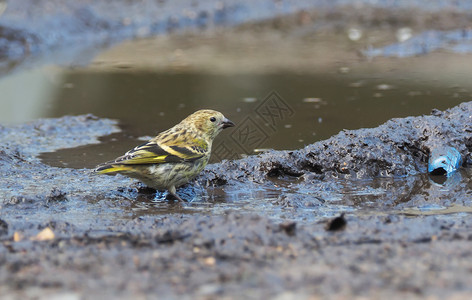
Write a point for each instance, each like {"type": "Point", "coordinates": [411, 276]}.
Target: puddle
{"type": "Point", "coordinates": [146, 103]}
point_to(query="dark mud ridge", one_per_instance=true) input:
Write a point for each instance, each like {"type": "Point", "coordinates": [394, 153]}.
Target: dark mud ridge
{"type": "Point", "coordinates": [65, 232]}
{"type": "Point", "coordinates": [400, 147]}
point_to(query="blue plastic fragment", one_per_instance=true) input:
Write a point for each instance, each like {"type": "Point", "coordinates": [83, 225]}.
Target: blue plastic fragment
{"type": "Point", "coordinates": [446, 183]}
{"type": "Point", "coordinates": [444, 161]}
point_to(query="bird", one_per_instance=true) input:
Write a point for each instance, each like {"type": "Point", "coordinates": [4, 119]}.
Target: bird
{"type": "Point", "coordinates": [175, 156]}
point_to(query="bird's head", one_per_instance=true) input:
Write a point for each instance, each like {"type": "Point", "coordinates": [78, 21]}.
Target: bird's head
{"type": "Point", "coordinates": [208, 122]}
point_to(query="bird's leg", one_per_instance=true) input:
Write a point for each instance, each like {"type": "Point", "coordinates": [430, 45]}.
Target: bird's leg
{"type": "Point", "coordinates": [173, 192]}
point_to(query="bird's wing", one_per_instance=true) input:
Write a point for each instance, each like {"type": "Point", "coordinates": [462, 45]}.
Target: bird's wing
{"type": "Point", "coordinates": [154, 152]}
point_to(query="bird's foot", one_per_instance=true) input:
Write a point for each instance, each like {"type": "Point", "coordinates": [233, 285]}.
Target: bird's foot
{"type": "Point", "coordinates": [159, 196]}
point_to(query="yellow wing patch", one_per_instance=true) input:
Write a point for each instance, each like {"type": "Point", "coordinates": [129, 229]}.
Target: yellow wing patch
{"type": "Point", "coordinates": [144, 158]}
{"type": "Point", "coordinates": [112, 168]}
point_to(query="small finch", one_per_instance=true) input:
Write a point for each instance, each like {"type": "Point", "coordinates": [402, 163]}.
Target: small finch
{"type": "Point", "coordinates": [174, 156]}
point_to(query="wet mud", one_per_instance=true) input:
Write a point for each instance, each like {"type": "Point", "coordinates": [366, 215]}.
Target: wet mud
{"type": "Point", "coordinates": [66, 232]}
{"type": "Point", "coordinates": [397, 148]}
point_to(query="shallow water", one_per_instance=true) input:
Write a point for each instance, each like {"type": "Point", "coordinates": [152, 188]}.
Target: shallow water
{"type": "Point", "coordinates": [411, 196]}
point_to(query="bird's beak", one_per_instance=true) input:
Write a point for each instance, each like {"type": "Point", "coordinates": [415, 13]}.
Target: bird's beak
{"type": "Point", "coordinates": [226, 123]}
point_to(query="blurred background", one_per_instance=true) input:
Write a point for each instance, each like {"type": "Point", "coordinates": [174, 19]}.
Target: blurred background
{"type": "Point", "coordinates": [333, 64]}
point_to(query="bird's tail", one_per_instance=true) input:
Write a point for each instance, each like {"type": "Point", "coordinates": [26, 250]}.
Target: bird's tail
{"type": "Point", "coordinates": [108, 168]}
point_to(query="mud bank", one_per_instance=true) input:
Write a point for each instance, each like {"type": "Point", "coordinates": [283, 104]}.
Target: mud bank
{"type": "Point", "coordinates": [26, 179]}
{"type": "Point", "coordinates": [101, 248]}
{"type": "Point", "coordinates": [400, 147]}
{"type": "Point", "coordinates": [32, 28]}
{"type": "Point", "coordinates": [72, 32]}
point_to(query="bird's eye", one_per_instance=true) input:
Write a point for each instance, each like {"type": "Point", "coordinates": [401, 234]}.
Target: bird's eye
{"type": "Point", "coordinates": [213, 119]}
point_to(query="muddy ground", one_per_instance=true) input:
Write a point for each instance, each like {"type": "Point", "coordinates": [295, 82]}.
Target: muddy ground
{"type": "Point", "coordinates": [70, 234]}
